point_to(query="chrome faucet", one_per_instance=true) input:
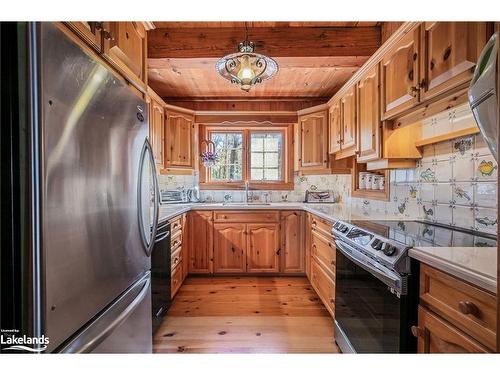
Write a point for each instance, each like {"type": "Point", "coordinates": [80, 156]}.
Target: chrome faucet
{"type": "Point", "coordinates": [247, 187]}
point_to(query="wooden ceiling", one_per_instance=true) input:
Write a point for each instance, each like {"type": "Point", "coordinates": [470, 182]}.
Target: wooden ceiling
{"type": "Point", "coordinates": [315, 58]}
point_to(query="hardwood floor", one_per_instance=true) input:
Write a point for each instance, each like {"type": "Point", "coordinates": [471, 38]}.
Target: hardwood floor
{"type": "Point", "coordinates": [246, 315]}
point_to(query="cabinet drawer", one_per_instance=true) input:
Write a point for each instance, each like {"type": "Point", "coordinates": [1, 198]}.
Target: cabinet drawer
{"type": "Point", "coordinates": [176, 241]}
{"type": "Point", "coordinates": [175, 281]}
{"type": "Point", "coordinates": [323, 226]}
{"type": "Point", "coordinates": [324, 286]}
{"type": "Point", "coordinates": [247, 216]}
{"type": "Point", "coordinates": [176, 258]}
{"type": "Point", "coordinates": [175, 224]}
{"type": "Point", "coordinates": [323, 251]}
{"type": "Point", "coordinates": [469, 308]}
{"type": "Point", "coordinates": [435, 335]}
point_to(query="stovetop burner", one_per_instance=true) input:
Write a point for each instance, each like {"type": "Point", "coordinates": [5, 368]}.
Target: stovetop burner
{"type": "Point", "coordinates": [424, 234]}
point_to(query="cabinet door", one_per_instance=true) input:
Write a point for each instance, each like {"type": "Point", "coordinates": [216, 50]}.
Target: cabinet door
{"type": "Point", "coordinates": [335, 127]}
{"type": "Point", "coordinates": [126, 46]}
{"type": "Point", "coordinates": [400, 76]}
{"type": "Point", "coordinates": [263, 247]}
{"type": "Point", "coordinates": [292, 241]}
{"type": "Point", "coordinates": [200, 242]}
{"type": "Point", "coordinates": [435, 335]}
{"type": "Point", "coordinates": [450, 51]}
{"type": "Point", "coordinates": [156, 130]}
{"type": "Point", "coordinates": [313, 141]}
{"type": "Point", "coordinates": [369, 126]}
{"type": "Point", "coordinates": [179, 140]}
{"type": "Point", "coordinates": [90, 32]}
{"type": "Point", "coordinates": [229, 248]}
{"type": "Point", "coordinates": [348, 118]}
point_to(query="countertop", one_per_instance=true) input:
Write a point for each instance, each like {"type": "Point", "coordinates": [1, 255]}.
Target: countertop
{"type": "Point", "coordinates": [476, 265]}
{"type": "Point", "coordinates": [328, 211]}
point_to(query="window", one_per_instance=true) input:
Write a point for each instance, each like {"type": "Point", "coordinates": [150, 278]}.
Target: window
{"type": "Point", "coordinates": [229, 147]}
{"type": "Point", "coordinates": [266, 156]}
{"type": "Point", "coordinates": [258, 155]}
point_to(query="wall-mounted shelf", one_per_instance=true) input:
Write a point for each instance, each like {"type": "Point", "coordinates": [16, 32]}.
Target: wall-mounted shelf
{"type": "Point", "coordinates": [356, 192]}
{"type": "Point", "coordinates": [447, 136]}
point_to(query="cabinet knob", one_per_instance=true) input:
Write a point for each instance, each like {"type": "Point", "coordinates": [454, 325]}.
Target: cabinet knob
{"type": "Point", "coordinates": [416, 331]}
{"type": "Point", "coordinates": [468, 308]}
{"type": "Point", "coordinates": [108, 35]}
{"type": "Point", "coordinates": [98, 26]}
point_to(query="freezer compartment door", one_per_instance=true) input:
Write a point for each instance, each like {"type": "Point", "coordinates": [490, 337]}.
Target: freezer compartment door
{"type": "Point", "coordinates": [124, 326]}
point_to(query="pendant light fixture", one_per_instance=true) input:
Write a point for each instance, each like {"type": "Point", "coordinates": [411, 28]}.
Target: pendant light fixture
{"type": "Point", "coordinates": [246, 68]}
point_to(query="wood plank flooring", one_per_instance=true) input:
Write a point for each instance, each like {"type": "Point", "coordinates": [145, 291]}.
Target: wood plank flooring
{"type": "Point", "coordinates": [246, 315]}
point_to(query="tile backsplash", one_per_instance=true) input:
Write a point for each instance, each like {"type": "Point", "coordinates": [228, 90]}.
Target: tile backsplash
{"type": "Point", "coordinates": [455, 183]}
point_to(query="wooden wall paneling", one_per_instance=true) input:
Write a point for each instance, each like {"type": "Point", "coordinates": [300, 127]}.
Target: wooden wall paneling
{"type": "Point", "coordinates": [276, 41]}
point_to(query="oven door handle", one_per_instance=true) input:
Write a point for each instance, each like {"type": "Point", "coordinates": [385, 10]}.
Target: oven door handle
{"type": "Point", "coordinates": [389, 278]}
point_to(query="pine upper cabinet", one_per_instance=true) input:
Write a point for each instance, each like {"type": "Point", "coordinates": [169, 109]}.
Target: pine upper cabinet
{"type": "Point", "coordinates": [200, 227]}
{"type": "Point", "coordinates": [400, 75]}
{"type": "Point", "coordinates": [229, 248]}
{"type": "Point", "coordinates": [263, 248]}
{"type": "Point", "coordinates": [313, 145]}
{"type": "Point", "coordinates": [335, 127]}
{"type": "Point", "coordinates": [348, 118]}
{"type": "Point", "coordinates": [450, 51]}
{"type": "Point", "coordinates": [125, 45]}
{"type": "Point", "coordinates": [156, 129]}
{"type": "Point", "coordinates": [179, 140]}
{"type": "Point", "coordinates": [90, 32]}
{"type": "Point", "coordinates": [369, 125]}
{"type": "Point", "coordinates": [292, 241]}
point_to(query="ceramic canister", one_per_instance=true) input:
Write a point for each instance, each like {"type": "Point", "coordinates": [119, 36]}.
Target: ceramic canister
{"type": "Point", "coordinates": [381, 183]}
{"type": "Point", "coordinates": [375, 182]}
{"type": "Point", "coordinates": [362, 180]}
{"type": "Point", "coordinates": [369, 180]}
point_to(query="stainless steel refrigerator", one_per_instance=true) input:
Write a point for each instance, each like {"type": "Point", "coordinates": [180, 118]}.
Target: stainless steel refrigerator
{"type": "Point", "coordinates": [90, 201]}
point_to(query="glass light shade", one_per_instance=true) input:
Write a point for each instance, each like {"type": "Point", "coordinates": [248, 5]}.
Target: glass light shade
{"type": "Point", "coordinates": [246, 68]}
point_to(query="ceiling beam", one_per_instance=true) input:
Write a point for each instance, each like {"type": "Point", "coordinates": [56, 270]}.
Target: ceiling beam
{"type": "Point", "coordinates": [271, 41]}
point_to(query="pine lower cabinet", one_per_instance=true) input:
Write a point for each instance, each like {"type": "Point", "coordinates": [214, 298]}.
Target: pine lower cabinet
{"type": "Point", "coordinates": [321, 254]}
{"type": "Point", "coordinates": [230, 247]}
{"type": "Point", "coordinates": [263, 248]}
{"type": "Point", "coordinates": [454, 316]}
{"type": "Point", "coordinates": [200, 229]}
{"type": "Point", "coordinates": [178, 251]}
{"type": "Point", "coordinates": [292, 241]}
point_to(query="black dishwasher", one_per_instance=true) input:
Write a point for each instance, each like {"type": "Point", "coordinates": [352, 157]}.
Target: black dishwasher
{"type": "Point", "coordinates": [160, 274]}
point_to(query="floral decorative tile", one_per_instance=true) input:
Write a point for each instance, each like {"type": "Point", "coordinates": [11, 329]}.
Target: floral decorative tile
{"type": "Point", "coordinates": [412, 191]}
{"type": "Point", "coordinates": [462, 147]}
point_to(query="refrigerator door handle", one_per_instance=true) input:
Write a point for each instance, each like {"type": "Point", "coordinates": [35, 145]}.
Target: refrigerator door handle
{"type": "Point", "coordinates": [147, 152]}
{"type": "Point", "coordinates": [113, 316]}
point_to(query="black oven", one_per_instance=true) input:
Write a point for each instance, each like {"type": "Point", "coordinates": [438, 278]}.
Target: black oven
{"type": "Point", "coordinates": [371, 316]}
